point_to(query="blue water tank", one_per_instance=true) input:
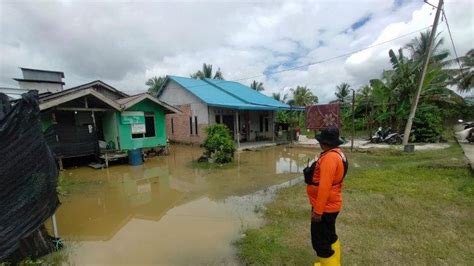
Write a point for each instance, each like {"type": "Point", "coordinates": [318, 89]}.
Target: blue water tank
{"type": "Point", "coordinates": [135, 157]}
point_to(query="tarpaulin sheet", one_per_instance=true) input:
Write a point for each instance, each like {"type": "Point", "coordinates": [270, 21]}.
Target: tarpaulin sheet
{"type": "Point", "coordinates": [72, 141]}
{"type": "Point", "coordinates": [323, 116]}
{"type": "Point", "coordinates": [28, 173]}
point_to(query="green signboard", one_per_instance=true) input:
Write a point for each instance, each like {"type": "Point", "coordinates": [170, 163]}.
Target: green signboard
{"type": "Point", "coordinates": [129, 118]}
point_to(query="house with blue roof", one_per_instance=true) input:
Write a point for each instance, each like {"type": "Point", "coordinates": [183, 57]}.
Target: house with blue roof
{"type": "Point", "coordinates": [249, 114]}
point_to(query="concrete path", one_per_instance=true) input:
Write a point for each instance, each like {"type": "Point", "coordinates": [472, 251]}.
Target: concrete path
{"type": "Point", "coordinates": [469, 152]}
{"type": "Point", "coordinates": [467, 147]}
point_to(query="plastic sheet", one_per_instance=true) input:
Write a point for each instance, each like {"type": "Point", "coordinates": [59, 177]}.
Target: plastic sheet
{"type": "Point", "coordinates": [28, 173]}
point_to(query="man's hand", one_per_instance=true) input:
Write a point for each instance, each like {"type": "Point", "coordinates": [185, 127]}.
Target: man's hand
{"type": "Point", "coordinates": [315, 217]}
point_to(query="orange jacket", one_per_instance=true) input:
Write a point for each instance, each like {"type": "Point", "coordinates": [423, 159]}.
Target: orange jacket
{"type": "Point", "coordinates": [329, 171]}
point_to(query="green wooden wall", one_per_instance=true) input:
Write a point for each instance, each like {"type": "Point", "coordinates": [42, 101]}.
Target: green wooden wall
{"type": "Point", "coordinates": [110, 128]}
{"type": "Point", "coordinates": [125, 131]}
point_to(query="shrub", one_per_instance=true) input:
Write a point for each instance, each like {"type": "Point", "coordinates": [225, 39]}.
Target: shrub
{"type": "Point", "coordinates": [219, 144]}
{"type": "Point", "coordinates": [428, 123]}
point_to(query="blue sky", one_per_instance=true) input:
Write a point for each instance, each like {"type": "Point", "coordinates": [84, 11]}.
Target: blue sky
{"type": "Point", "coordinates": [125, 43]}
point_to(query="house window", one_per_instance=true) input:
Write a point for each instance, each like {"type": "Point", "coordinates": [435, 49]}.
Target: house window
{"type": "Point", "coordinates": [261, 123]}
{"type": "Point", "coordinates": [172, 126]}
{"type": "Point", "coordinates": [218, 119]}
{"type": "Point", "coordinates": [190, 125]}
{"type": "Point", "coordinates": [150, 125]}
{"type": "Point", "coordinates": [266, 124]}
{"type": "Point", "coordinates": [196, 125]}
{"type": "Point", "coordinates": [146, 130]}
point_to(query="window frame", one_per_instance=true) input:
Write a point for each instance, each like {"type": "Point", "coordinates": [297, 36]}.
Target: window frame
{"type": "Point", "coordinates": [143, 135]}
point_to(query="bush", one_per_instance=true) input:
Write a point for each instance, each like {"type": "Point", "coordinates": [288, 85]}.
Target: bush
{"type": "Point", "coordinates": [219, 144]}
{"type": "Point", "coordinates": [428, 123]}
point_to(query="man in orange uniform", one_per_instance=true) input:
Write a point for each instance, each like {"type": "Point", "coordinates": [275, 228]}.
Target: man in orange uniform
{"type": "Point", "coordinates": [325, 196]}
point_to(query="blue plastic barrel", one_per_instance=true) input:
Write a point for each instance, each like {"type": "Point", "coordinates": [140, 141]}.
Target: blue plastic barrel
{"type": "Point", "coordinates": [135, 157]}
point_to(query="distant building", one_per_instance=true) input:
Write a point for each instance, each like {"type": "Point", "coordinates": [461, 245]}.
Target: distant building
{"type": "Point", "coordinates": [248, 114]}
{"type": "Point", "coordinates": [44, 81]}
{"type": "Point", "coordinates": [13, 93]}
{"type": "Point", "coordinates": [41, 80]}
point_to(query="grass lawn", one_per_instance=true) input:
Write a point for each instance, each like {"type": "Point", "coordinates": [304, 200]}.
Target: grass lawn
{"type": "Point", "coordinates": [399, 209]}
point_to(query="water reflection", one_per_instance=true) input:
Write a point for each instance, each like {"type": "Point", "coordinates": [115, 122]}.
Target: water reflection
{"type": "Point", "coordinates": [168, 211]}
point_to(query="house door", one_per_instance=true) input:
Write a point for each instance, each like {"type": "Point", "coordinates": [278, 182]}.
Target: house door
{"type": "Point", "coordinates": [228, 120]}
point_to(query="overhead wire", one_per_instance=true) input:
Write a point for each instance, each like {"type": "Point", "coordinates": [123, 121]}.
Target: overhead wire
{"type": "Point", "coordinates": [452, 43]}
{"type": "Point", "coordinates": [317, 62]}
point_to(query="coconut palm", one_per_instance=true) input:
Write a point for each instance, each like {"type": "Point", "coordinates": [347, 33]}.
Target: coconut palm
{"type": "Point", "coordinates": [278, 97]}
{"type": "Point", "coordinates": [154, 84]}
{"type": "Point", "coordinates": [463, 78]}
{"type": "Point", "coordinates": [418, 47]}
{"type": "Point", "coordinates": [206, 72]}
{"type": "Point", "coordinates": [342, 92]}
{"type": "Point", "coordinates": [258, 86]}
{"type": "Point", "coordinates": [302, 96]}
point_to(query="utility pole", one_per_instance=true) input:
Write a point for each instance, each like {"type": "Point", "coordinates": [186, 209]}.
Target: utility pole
{"type": "Point", "coordinates": [353, 119]}
{"type": "Point", "coordinates": [406, 135]}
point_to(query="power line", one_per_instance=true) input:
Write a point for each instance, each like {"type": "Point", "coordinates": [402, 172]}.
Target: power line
{"type": "Point", "coordinates": [319, 62]}
{"type": "Point", "coordinates": [339, 56]}
{"type": "Point", "coordinates": [452, 42]}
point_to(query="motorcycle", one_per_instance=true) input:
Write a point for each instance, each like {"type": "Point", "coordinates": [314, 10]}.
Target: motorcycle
{"type": "Point", "coordinates": [468, 125]}
{"type": "Point", "coordinates": [470, 136]}
{"type": "Point", "coordinates": [386, 136]}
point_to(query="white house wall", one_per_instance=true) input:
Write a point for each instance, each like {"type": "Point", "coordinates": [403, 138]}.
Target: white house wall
{"type": "Point", "coordinates": [175, 95]}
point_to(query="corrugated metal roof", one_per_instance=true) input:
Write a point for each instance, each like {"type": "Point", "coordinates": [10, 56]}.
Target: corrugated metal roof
{"type": "Point", "coordinates": [228, 94]}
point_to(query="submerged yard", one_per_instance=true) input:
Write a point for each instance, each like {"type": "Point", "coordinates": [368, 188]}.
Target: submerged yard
{"type": "Point", "coordinates": [168, 211]}
{"type": "Point", "coordinates": [399, 209]}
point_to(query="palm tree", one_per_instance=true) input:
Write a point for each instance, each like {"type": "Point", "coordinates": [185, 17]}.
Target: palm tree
{"type": "Point", "coordinates": [154, 84]}
{"type": "Point", "coordinates": [258, 86]}
{"type": "Point", "coordinates": [418, 47]}
{"type": "Point", "coordinates": [302, 96]}
{"type": "Point", "coordinates": [463, 77]}
{"type": "Point", "coordinates": [342, 92]}
{"type": "Point", "coordinates": [277, 96]}
{"type": "Point", "coordinates": [206, 72]}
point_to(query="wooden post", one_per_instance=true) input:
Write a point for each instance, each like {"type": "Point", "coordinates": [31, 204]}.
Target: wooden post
{"type": "Point", "coordinates": [106, 160]}
{"type": "Point", "coordinates": [237, 128]}
{"type": "Point", "coordinates": [93, 120]}
{"type": "Point", "coordinates": [353, 119]}
{"type": "Point", "coordinates": [273, 126]}
{"type": "Point", "coordinates": [60, 162]}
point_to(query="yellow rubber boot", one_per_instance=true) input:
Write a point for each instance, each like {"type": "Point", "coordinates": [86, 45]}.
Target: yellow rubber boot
{"type": "Point", "coordinates": [335, 259]}
{"type": "Point", "coordinates": [336, 246]}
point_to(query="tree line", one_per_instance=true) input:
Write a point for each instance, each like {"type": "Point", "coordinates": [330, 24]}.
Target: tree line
{"type": "Point", "coordinates": [386, 101]}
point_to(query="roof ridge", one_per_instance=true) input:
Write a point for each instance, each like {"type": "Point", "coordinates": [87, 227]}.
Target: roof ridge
{"type": "Point", "coordinates": [234, 95]}
{"type": "Point", "coordinates": [225, 91]}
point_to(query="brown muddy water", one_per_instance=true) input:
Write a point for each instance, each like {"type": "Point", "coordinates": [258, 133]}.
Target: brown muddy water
{"type": "Point", "coordinates": [169, 211]}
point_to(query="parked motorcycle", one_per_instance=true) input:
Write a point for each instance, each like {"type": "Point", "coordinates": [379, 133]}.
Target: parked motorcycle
{"type": "Point", "coordinates": [470, 137]}
{"type": "Point", "coordinates": [468, 125]}
{"type": "Point", "coordinates": [386, 136]}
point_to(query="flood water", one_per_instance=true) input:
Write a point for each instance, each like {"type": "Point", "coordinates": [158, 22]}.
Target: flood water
{"type": "Point", "coordinates": [169, 211]}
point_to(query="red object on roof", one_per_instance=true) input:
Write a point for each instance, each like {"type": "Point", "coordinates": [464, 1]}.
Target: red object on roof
{"type": "Point", "coordinates": [323, 116]}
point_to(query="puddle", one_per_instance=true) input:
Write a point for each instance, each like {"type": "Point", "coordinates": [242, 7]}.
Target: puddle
{"type": "Point", "coordinates": [168, 211]}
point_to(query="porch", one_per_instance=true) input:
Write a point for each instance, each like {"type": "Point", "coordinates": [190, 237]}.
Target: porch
{"type": "Point", "coordinates": [246, 126]}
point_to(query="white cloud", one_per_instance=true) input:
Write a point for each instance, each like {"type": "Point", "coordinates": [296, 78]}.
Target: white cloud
{"type": "Point", "coordinates": [126, 43]}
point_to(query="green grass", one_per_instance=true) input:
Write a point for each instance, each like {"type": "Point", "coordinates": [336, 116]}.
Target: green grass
{"type": "Point", "coordinates": [399, 209]}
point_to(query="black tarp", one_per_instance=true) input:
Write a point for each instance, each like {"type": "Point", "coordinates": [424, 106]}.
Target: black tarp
{"type": "Point", "coordinates": [28, 173]}
{"type": "Point", "coordinates": [72, 141]}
